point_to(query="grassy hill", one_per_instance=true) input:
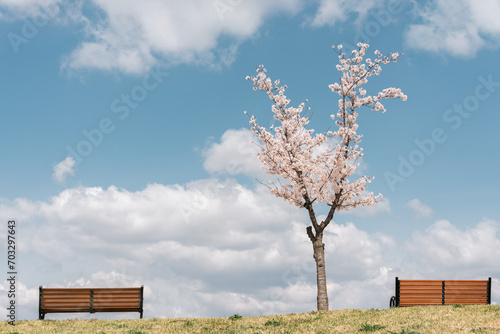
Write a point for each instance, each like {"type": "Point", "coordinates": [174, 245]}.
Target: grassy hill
{"type": "Point", "coordinates": [424, 320]}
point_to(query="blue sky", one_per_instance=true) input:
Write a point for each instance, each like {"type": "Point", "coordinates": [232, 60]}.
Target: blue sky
{"type": "Point", "coordinates": [148, 99]}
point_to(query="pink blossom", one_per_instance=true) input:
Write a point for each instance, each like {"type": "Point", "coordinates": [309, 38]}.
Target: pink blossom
{"type": "Point", "coordinates": [290, 151]}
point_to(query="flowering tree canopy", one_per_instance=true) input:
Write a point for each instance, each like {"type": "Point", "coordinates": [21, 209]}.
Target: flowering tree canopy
{"type": "Point", "coordinates": [318, 167]}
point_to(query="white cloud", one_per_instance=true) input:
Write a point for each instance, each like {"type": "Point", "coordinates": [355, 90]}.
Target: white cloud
{"type": "Point", "coordinates": [15, 9]}
{"type": "Point", "coordinates": [26, 299]}
{"type": "Point", "coordinates": [355, 254]}
{"type": "Point", "coordinates": [135, 35]}
{"type": "Point", "coordinates": [212, 248]}
{"type": "Point", "coordinates": [235, 154]}
{"type": "Point", "coordinates": [459, 28]}
{"type": "Point", "coordinates": [375, 290]}
{"type": "Point", "coordinates": [131, 36]}
{"type": "Point", "coordinates": [331, 12]}
{"type": "Point", "coordinates": [420, 210]}
{"type": "Point", "coordinates": [63, 169]}
{"type": "Point", "coordinates": [194, 247]}
{"type": "Point", "coordinates": [445, 248]}
{"type": "Point", "coordinates": [36, 14]}
{"type": "Point", "coordinates": [445, 251]}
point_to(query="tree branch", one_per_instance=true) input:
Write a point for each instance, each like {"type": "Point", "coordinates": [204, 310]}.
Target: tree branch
{"type": "Point", "coordinates": [312, 216]}
{"type": "Point", "coordinates": [331, 212]}
{"type": "Point", "coordinates": [310, 234]}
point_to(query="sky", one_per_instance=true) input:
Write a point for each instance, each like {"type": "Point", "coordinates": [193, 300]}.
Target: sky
{"type": "Point", "coordinates": [127, 160]}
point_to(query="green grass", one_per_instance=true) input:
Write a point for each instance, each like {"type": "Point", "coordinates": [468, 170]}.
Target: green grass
{"type": "Point", "coordinates": [371, 328]}
{"type": "Point", "coordinates": [410, 320]}
{"type": "Point", "coordinates": [235, 317]}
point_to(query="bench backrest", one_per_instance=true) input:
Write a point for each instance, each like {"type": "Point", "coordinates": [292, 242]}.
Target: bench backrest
{"type": "Point", "coordinates": [73, 300]}
{"type": "Point", "coordinates": [442, 292]}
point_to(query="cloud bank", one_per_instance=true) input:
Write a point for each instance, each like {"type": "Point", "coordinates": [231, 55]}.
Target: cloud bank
{"type": "Point", "coordinates": [214, 247]}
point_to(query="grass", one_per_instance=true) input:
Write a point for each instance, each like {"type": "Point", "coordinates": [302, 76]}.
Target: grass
{"type": "Point", "coordinates": [411, 320]}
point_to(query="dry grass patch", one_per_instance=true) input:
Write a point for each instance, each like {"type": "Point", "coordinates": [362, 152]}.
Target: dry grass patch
{"type": "Point", "coordinates": [411, 320]}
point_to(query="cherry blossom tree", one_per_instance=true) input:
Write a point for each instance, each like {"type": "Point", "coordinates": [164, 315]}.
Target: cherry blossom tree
{"type": "Point", "coordinates": [315, 168]}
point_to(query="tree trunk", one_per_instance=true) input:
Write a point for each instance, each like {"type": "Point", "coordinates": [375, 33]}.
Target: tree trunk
{"type": "Point", "coordinates": [319, 257]}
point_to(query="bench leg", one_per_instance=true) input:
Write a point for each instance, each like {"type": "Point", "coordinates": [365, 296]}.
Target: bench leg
{"type": "Point", "coordinates": [392, 303]}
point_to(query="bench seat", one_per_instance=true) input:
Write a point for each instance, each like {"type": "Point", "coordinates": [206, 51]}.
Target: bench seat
{"type": "Point", "coordinates": [90, 300]}
{"type": "Point", "coordinates": [413, 292]}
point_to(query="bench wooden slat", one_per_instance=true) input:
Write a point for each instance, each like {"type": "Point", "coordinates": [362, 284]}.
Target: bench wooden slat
{"type": "Point", "coordinates": [69, 300]}
{"type": "Point", "coordinates": [60, 291]}
{"type": "Point", "coordinates": [446, 298]}
{"type": "Point", "coordinates": [422, 301]}
{"type": "Point", "coordinates": [69, 310]}
{"type": "Point", "coordinates": [61, 303]}
{"type": "Point", "coordinates": [467, 282]}
{"type": "Point", "coordinates": [466, 292]}
{"type": "Point", "coordinates": [104, 304]}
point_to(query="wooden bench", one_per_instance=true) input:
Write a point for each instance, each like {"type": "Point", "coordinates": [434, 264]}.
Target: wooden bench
{"type": "Point", "coordinates": [89, 300]}
{"type": "Point", "coordinates": [413, 292]}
